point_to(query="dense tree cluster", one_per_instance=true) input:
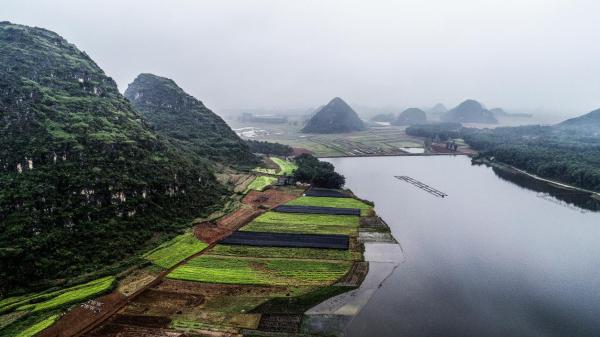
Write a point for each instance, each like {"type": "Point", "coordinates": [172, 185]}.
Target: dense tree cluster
{"type": "Point", "coordinates": [268, 148]}
{"type": "Point", "coordinates": [318, 173]}
{"type": "Point", "coordinates": [441, 131]}
{"type": "Point", "coordinates": [567, 154]}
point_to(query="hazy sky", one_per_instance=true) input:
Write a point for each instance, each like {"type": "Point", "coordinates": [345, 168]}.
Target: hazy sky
{"type": "Point", "coordinates": [526, 54]}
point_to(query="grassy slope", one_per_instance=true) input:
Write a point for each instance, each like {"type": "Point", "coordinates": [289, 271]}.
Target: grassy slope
{"type": "Point", "coordinates": [332, 202]}
{"type": "Point", "coordinates": [259, 183]}
{"type": "Point", "coordinates": [278, 252]}
{"type": "Point", "coordinates": [171, 252]}
{"type": "Point", "coordinates": [259, 271]}
{"type": "Point", "coordinates": [285, 167]}
{"type": "Point", "coordinates": [303, 223]}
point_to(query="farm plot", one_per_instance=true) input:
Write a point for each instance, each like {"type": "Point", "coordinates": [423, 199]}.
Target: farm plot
{"type": "Point", "coordinates": [171, 252]}
{"type": "Point", "coordinates": [277, 252]}
{"type": "Point", "coordinates": [317, 210]}
{"type": "Point", "coordinates": [265, 239]}
{"type": "Point", "coordinates": [332, 202]}
{"type": "Point", "coordinates": [210, 231]}
{"type": "Point", "coordinates": [259, 183]}
{"type": "Point", "coordinates": [326, 192]}
{"type": "Point", "coordinates": [271, 197]}
{"type": "Point", "coordinates": [277, 222]}
{"type": "Point", "coordinates": [59, 298]}
{"type": "Point", "coordinates": [261, 271]}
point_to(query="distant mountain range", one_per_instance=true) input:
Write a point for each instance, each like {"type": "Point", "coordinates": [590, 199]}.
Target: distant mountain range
{"type": "Point", "coordinates": [335, 117]}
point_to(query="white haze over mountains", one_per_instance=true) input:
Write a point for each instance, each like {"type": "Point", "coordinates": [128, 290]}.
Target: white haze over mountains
{"type": "Point", "coordinates": [526, 55]}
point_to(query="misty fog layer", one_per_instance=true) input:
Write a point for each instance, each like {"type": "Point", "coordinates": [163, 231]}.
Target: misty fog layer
{"type": "Point", "coordinates": [535, 55]}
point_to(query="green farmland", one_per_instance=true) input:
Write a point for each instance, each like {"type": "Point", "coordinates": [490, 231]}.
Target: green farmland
{"type": "Point", "coordinates": [59, 298]}
{"type": "Point", "coordinates": [259, 183]}
{"type": "Point", "coordinates": [332, 202]}
{"type": "Point", "coordinates": [279, 252]}
{"type": "Point", "coordinates": [260, 271]}
{"type": "Point", "coordinates": [278, 222]}
{"type": "Point", "coordinates": [285, 167]}
{"type": "Point", "coordinates": [171, 252]}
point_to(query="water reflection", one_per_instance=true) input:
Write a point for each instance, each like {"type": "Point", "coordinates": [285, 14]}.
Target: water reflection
{"type": "Point", "coordinates": [491, 259]}
{"type": "Point", "coordinates": [549, 192]}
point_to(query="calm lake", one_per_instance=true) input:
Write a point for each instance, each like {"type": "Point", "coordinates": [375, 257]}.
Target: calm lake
{"type": "Point", "coordinates": [499, 256]}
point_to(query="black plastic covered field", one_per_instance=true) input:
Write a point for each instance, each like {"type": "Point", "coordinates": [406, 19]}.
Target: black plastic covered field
{"type": "Point", "coordinates": [326, 192]}
{"type": "Point", "coordinates": [317, 210]}
{"type": "Point", "coordinates": [262, 239]}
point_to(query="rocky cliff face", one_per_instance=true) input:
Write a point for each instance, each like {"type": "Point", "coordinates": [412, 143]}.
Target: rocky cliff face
{"type": "Point", "coordinates": [185, 121]}
{"type": "Point", "coordinates": [85, 181]}
{"type": "Point", "coordinates": [335, 117]}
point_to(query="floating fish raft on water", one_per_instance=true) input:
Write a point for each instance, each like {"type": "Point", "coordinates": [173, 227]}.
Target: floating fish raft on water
{"type": "Point", "coordinates": [422, 186]}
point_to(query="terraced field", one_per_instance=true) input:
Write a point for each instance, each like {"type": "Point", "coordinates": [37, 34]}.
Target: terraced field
{"type": "Point", "coordinates": [171, 252]}
{"type": "Point", "coordinates": [332, 202]}
{"type": "Point", "coordinates": [261, 271]}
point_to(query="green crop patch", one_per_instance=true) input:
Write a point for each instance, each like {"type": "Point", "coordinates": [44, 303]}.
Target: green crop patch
{"type": "Point", "coordinates": [259, 183]}
{"type": "Point", "coordinates": [30, 325]}
{"type": "Point", "coordinates": [278, 222]}
{"type": "Point", "coordinates": [278, 252]}
{"type": "Point", "coordinates": [55, 299]}
{"type": "Point", "coordinates": [285, 167]}
{"type": "Point", "coordinates": [171, 252]}
{"type": "Point", "coordinates": [259, 271]}
{"type": "Point", "coordinates": [332, 202]}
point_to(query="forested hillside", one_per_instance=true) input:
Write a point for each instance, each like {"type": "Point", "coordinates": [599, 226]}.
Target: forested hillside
{"type": "Point", "coordinates": [185, 121]}
{"type": "Point", "coordinates": [85, 182]}
{"type": "Point", "coordinates": [555, 152]}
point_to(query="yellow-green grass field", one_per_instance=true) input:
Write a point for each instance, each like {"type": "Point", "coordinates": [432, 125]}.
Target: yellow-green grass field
{"type": "Point", "coordinates": [58, 298]}
{"type": "Point", "coordinates": [171, 252]}
{"type": "Point", "coordinates": [260, 271]}
{"type": "Point", "coordinates": [285, 167]}
{"type": "Point", "coordinates": [332, 202]}
{"type": "Point", "coordinates": [281, 252]}
{"type": "Point", "coordinates": [278, 222]}
{"type": "Point", "coordinates": [259, 183]}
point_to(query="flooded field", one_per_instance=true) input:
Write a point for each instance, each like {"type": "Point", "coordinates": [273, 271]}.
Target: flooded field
{"type": "Point", "coordinates": [499, 256]}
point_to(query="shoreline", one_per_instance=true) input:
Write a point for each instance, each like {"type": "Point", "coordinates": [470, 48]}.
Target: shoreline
{"type": "Point", "coordinates": [555, 183]}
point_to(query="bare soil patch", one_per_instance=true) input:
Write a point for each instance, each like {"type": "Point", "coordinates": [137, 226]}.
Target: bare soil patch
{"type": "Point", "coordinates": [280, 323]}
{"type": "Point", "coordinates": [163, 303]}
{"type": "Point", "coordinates": [213, 231]}
{"type": "Point", "coordinates": [119, 330]}
{"type": "Point", "coordinates": [269, 198]}
{"type": "Point", "coordinates": [82, 315]}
